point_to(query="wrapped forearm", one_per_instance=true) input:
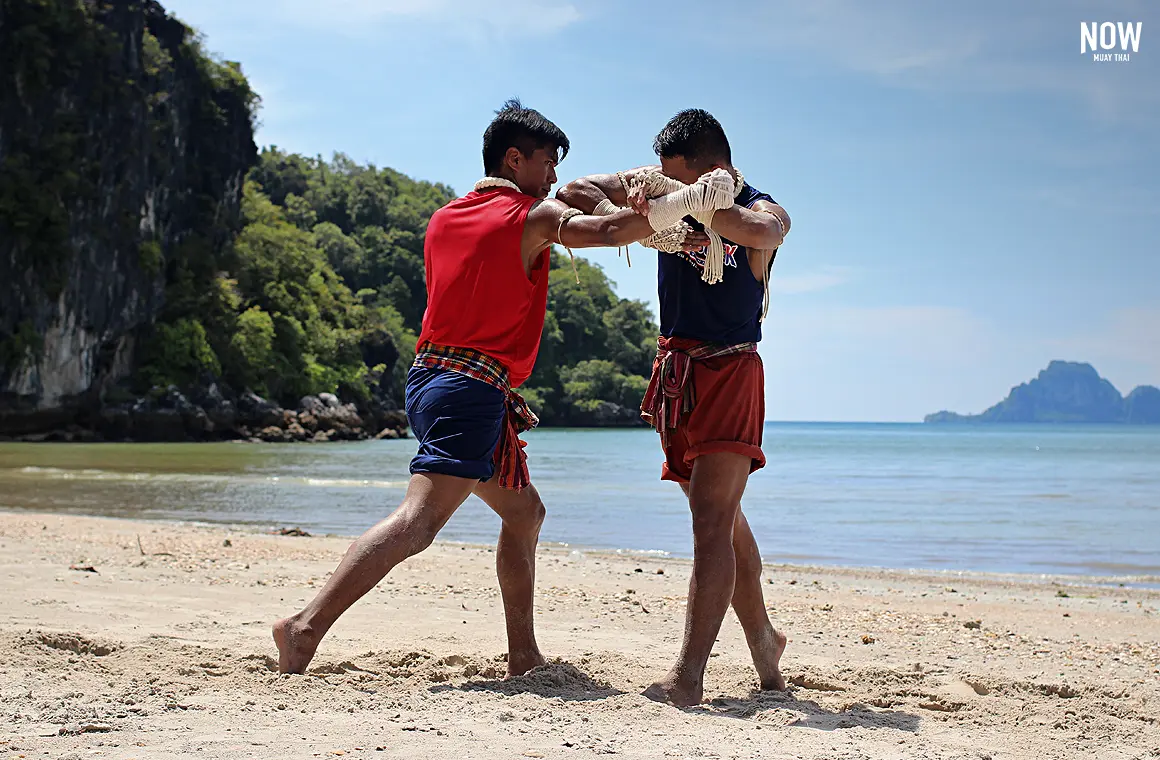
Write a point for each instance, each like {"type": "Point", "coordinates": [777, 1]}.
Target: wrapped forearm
{"type": "Point", "coordinates": [671, 198]}
{"type": "Point", "coordinates": [701, 199]}
{"type": "Point", "coordinates": [669, 240]}
{"type": "Point", "coordinates": [606, 208]}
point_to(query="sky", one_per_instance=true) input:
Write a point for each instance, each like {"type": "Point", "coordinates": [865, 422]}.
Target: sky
{"type": "Point", "coordinates": [972, 197]}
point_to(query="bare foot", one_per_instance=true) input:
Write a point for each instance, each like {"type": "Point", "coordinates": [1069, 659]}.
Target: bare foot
{"type": "Point", "coordinates": [767, 657]}
{"type": "Point", "coordinates": [296, 645]}
{"type": "Point", "coordinates": [522, 662]}
{"type": "Point", "coordinates": [671, 691]}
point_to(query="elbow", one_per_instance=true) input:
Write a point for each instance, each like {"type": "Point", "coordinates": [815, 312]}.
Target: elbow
{"type": "Point", "coordinates": [776, 231]}
{"type": "Point", "coordinates": [572, 193]}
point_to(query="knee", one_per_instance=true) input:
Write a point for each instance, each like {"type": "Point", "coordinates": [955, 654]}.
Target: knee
{"type": "Point", "coordinates": [711, 523]}
{"type": "Point", "coordinates": [529, 518]}
{"type": "Point", "coordinates": [421, 541]}
{"type": "Point", "coordinates": [539, 512]}
{"type": "Point", "coordinates": [421, 527]}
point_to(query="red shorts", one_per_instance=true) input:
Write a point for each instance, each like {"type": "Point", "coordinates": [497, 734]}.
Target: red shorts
{"type": "Point", "coordinates": [729, 415]}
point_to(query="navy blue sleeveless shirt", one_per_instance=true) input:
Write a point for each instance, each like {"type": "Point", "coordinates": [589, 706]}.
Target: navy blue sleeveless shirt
{"type": "Point", "coordinates": [728, 312]}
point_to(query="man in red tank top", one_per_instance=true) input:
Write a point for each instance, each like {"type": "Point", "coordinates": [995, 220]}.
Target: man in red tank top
{"type": "Point", "coordinates": [487, 256]}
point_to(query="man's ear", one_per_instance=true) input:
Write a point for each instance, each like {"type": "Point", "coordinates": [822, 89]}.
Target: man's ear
{"type": "Point", "coordinates": [512, 158]}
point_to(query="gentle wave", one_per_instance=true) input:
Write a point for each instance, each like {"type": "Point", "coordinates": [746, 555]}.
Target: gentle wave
{"type": "Point", "coordinates": [57, 473]}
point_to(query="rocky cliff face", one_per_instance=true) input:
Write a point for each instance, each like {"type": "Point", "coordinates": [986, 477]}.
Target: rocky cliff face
{"type": "Point", "coordinates": [1068, 392]}
{"type": "Point", "coordinates": [123, 149]}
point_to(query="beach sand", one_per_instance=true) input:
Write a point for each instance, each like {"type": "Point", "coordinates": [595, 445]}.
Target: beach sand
{"type": "Point", "coordinates": [165, 651]}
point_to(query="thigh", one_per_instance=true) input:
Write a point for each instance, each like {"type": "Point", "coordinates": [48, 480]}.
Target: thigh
{"type": "Point", "coordinates": [716, 488]}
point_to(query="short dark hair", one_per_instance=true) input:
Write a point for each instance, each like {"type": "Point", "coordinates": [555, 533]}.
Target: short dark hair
{"type": "Point", "coordinates": [696, 136]}
{"type": "Point", "coordinates": [525, 129]}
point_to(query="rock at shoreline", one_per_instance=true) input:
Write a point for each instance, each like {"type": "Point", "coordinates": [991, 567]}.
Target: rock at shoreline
{"type": "Point", "coordinates": [209, 414]}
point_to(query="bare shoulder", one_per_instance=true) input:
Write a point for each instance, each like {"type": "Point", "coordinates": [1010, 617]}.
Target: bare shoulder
{"type": "Point", "coordinates": [542, 225]}
{"type": "Point", "coordinates": [546, 211]}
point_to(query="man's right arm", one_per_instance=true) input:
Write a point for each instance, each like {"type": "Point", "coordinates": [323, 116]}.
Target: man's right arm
{"type": "Point", "coordinates": [587, 192]}
{"type": "Point", "coordinates": [549, 222]}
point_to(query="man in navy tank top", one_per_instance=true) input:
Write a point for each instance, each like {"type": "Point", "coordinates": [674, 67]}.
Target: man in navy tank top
{"type": "Point", "coordinates": [707, 393]}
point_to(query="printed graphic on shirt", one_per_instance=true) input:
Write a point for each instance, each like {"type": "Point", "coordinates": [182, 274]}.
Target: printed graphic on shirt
{"type": "Point", "coordinates": [697, 257]}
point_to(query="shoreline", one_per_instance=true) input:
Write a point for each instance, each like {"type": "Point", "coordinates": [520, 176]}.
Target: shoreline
{"type": "Point", "coordinates": [1141, 581]}
{"type": "Point", "coordinates": [149, 639]}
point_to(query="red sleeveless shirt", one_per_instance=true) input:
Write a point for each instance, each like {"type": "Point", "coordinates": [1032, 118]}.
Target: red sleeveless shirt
{"type": "Point", "coordinates": [478, 295]}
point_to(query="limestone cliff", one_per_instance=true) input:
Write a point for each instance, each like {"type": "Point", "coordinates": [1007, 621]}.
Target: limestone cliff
{"type": "Point", "coordinates": [123, 149]}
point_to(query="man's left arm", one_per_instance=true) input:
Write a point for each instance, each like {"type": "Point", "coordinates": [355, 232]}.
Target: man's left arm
{"type": "Point", "coordinates": [762, 227]}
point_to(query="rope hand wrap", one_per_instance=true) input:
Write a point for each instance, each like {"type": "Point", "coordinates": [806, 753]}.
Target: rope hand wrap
{"type": "Point", "coordinates": [671, 201]}
{"type": "Point", "coordinates": [669, 240]}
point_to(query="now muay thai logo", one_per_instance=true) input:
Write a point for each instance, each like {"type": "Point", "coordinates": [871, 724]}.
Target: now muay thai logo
{"type": "Point", "coordinates": [697, 257]}
{"type": "Point", "coordinates": [1099, 39]}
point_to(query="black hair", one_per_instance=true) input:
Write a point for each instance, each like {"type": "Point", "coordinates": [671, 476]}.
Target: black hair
{"type": "Point", "coordinates": [696, 136]}
{"type": "Point", "coordinates": [522, 128]}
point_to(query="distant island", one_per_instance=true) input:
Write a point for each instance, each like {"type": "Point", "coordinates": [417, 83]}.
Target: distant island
{"type": "Point", "coordinates": [1067, 392]}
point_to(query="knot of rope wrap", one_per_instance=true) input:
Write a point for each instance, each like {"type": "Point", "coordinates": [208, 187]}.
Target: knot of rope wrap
{"type": "Point", "coordinates": [669, 240]}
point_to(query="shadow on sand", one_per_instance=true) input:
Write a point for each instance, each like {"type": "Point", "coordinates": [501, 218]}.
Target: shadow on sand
{"type": "Point", "coordinates": [809, 714]}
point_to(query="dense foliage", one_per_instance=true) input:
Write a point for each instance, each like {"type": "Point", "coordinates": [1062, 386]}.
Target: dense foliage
{"type": "Point", "coordinates": [324, 291]}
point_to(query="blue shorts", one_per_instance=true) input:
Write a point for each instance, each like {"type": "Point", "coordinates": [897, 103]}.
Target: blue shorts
{"type": "Point", "coordinates": [457, 421]}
